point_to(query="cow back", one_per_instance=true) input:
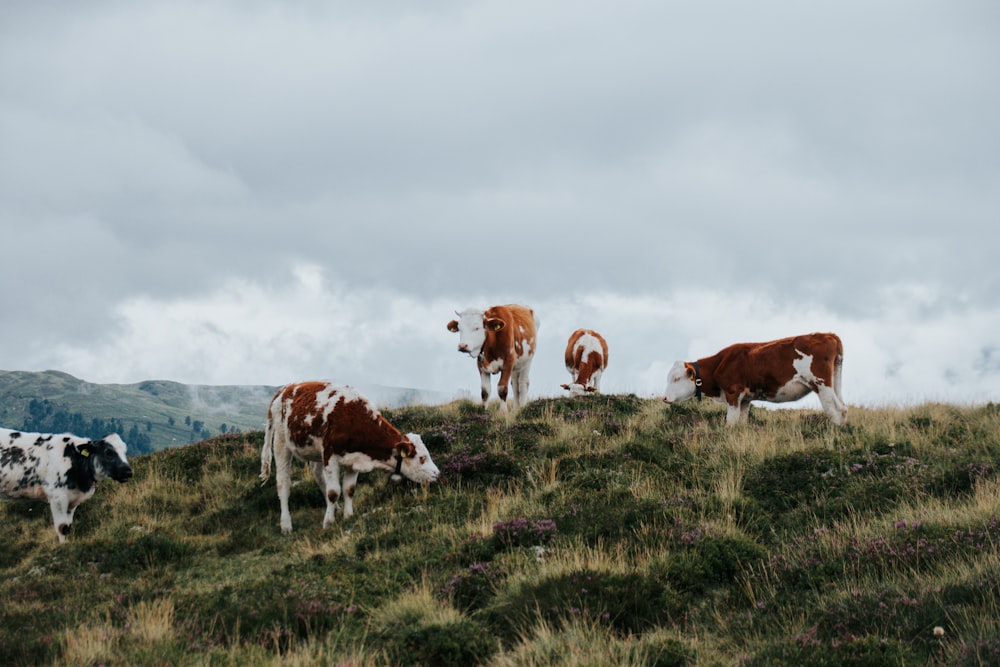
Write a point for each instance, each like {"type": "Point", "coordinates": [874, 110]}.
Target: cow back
{"type": "Point", "coordinates": [517, 336]}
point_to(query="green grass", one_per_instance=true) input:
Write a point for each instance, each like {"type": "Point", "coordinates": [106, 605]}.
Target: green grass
{"type": "Point", "coordinates": [596, 530]}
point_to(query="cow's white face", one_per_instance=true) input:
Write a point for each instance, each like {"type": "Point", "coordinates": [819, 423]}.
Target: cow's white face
{"type": "Point", "coordinates": [680, 385]}
{"type": "Point", "coordinates": [109, 458]}
{"type": "Point", "coordinates": [471, 329]}
{"type": "Point", "coordinates": [576, 389]}
{"type": "Point", "coordinates": [419, 467]}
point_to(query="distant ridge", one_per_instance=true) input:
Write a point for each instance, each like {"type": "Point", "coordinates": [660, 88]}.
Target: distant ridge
{"type": "Point", "coordinates": [157, 413]}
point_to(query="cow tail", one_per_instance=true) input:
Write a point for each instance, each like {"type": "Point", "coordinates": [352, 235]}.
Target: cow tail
{"type": "Point", "coordinates": [838, 366]}
{"type": "Point", "coordinates": [267, 451]}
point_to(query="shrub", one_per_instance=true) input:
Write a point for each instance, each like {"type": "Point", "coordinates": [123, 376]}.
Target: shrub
{"type": "Point", "coordinates": [802, 489]}
{"type": "Point", "coordinates": [474, 549]}
{"type": "Point", "coordinates": [33, 613]}
{"type": "Point", "coordinates": [525, 435]}
{"type": "Point", "coordinates": [711, 561]}
{"type": "Point", "coordinates": [611, 515]}
{"type": "Point", "coordinates": [137, 554]}
{"type": "Point", "coordinates": [667, 653]}
{"type": "Point", "coordinates": [485, 468]}
{"type": "Point", "coordinates": [913, 547]}
{"type": "Point", "coordinates": [522, 532]}
{"type": "Point", "coordinates": [627, 603]}
{"type": "Point", "coordinates": [272, 611]}
{"type": "Point", "coordinates": [959, 479]}
{"type": "Point", "coordinates": [606, 407]}
{"type": "Point", "coordinates": [473, 587]}
{"type": "Point", "coordinates": [464, 642]}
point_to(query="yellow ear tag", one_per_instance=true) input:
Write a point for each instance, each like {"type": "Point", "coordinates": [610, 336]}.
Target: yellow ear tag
{"type": "Point", "coordinates": [84, 452]}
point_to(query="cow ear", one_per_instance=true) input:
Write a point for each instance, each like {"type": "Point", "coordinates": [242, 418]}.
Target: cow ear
{"type": "Point", "coordinates": [453, 326]}
{"type": "Point", "coordinates": [495, 324]}
{"type": "Point", "coordinates": [404, 449]}
{"type": "Point", "coordinates": [564, 386]}
{"type": "Point", "coordinates": [590, 389]}
{"type": "Point", "coordinates": [86, 449]}
{"type": "Point", "coordinates": [689, 371]}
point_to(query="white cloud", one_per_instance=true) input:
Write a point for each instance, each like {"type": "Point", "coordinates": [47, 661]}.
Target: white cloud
{"type": "Point", "coordinates": [313, 326]}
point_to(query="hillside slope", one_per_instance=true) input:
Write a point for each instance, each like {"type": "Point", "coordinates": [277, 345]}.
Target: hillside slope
{"type": "Point", "coordinates": [593, 530]}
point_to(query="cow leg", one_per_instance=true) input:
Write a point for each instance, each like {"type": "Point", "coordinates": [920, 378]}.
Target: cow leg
{"type": "Point", "coordinates": [520, 380]}
{"type": "Point", "coordinates": [733, 414]}
{"type": "Point", "coordinates": [350, 482]}
{"type": "Point", "coordinates": [515, 389]}
{"type": "Point", "coordinates": [503, 385]}
{"type": "Point", "coordinates": [331, 475]}
{"type": "Point", "coordinates": [736, 406]}
{"type": "Point", "coordinates": [832, 404]}
{"type": "Point", "coordinates": [62, 516]}
{"type": "Point", "coordinates": [595, 380]}
{"type": "Point", "coordinates": [283, 478]}
{"type": "Point", "coordinates": [484, 383]}
{"type": "Point", "coordinates": [841, 404]}
{"type": "Point", "coordinates": [317, 471]}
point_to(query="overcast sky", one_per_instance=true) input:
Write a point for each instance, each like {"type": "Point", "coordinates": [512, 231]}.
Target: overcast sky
{"type": "Point", "coordinates": [255, 192]}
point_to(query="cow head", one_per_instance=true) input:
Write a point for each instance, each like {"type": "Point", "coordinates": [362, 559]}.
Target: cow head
{"type": "Point", "coordinates": [576, 389]}
{"type": "Point", "coordinates": [108, 455]}
{"type": "Point", "coordinates": [682, 383]}
{"type": "Point", "coordinates": [472, 327]}
{"type": "Point", "coordinates": [414, 461]}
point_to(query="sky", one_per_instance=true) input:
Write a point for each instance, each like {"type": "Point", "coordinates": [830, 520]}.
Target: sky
{"type": "Point", "coordinates": [258, 192]}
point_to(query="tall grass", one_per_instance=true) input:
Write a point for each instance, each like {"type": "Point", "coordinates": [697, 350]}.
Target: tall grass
{"type": "Point", "coordinates": [585, 531]}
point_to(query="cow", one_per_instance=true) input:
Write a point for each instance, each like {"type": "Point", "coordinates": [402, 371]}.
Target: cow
{"type": "Point", "coordinates": [61, 468]}
{"type": "Point", "coordinates": [337, 430]}
{"type": "Point", "coordinates": [502, 340]}
{"type": "Point", "coordinates": [586, 359]}
{"type": "Point", "coordinates": [778, 371]}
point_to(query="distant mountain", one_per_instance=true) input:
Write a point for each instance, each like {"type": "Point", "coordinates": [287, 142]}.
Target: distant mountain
{"type": "Point", "coordinates": [154, 414]}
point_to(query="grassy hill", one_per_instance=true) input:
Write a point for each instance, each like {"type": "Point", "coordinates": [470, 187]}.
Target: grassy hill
{"type": "Point", "coordinates": [589, 531]}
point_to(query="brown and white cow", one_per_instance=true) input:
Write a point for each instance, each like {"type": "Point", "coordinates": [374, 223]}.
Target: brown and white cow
{"type": "Point", "coordinates": [586, 359]}
{"type": "Point", "coordinates": [334, 427]}
{"type": "Point", "coordinates": [779, 371]}
{"type": "Point", "coordinates": [502, 340]}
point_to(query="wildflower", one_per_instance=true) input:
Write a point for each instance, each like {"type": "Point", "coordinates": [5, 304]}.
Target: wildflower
{"type": "Point", "coordinates": [938, 631]}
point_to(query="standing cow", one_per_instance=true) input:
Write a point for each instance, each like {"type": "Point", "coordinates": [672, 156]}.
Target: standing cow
{"type": "Point", "coordinates": [334, 427]}
{"type": "Point", "coordinates": [63, 469]}
{"type": "Point", "coordinates": [502, 340]}
{"type": "Point", "coordinates": [586, 359]}
{"type": "Point", "coordinates": [779, 371]}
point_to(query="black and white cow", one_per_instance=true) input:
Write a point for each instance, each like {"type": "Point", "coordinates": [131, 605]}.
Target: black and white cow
{"type": "Point", "coordinates": [61, 468]}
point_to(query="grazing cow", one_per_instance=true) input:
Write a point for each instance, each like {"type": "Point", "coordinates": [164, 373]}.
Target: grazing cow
{"type": "Point", "coordinates": [586, 359]}
{"type": "Point", "coordinates": [779, 371]}
{"type": "Point", "coordinates": [334, 428]}
{"type": "Point", "coordinates": [502, 340]}
{"type": "Point", "coordinates": [62, 469]}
